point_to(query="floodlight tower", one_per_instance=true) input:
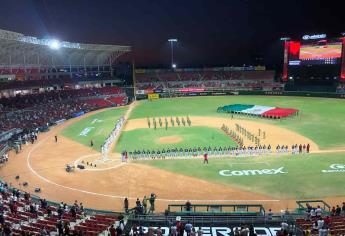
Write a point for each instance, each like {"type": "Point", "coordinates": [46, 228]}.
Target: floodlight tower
{"type": "Point", "coordinates": [172, 41]}
{"type": "Point", "coordinates": [54, 44]}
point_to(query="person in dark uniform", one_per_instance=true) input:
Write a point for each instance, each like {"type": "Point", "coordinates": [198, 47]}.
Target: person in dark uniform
{"type": "Point", "coordinates": [220, 150]}
{"type": "Point", "coordinates": [153, 154]}
{"type": "Point", "coordinates": [91, 143]}
{"type": "Point", "coordinates": [308, 148]}
{"type": "Point", "coordinates": [56, 139]}
{"type": "Point", "coordinates": [190, 152]}
{"type": "Point", "coordinates": [163, 153]}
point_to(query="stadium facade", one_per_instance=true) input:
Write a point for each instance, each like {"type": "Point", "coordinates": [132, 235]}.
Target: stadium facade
{"type": "Point", "coordinates": [27, 58]}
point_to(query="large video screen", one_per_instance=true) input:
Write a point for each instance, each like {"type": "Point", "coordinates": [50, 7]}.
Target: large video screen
{"type": "Point", "coordinates": [321, 50]}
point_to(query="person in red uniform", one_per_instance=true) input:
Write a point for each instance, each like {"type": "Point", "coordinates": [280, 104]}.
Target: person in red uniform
{"type": "Point", "coordinates": [205, 158]}
{"type": "Point", "coordinates": [112, 231]}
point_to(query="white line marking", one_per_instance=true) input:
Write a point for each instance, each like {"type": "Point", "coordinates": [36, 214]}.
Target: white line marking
{"type": "Point", "coordinates": [122, 197]}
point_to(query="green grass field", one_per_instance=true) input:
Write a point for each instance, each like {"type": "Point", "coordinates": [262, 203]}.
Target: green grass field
{"type": "Point", "coordinates": [96, 127]}
{"type": "Point", "coordinates": [320, 119]}
{"type": "Point", "coordinates": [303, 179]}
{"type": "Point", "coordinates": [191, 137]}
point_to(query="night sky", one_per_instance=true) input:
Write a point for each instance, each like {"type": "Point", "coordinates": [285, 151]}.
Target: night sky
{"type": "Point", "coordinates": [210, 32]}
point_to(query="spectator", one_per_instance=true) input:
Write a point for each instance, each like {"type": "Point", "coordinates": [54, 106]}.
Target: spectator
{"type": "Point", "coordinates": [320, 223]}
{"type": "Point", "coordinates": [188, 206]}
{"type": "Point", "coordinates": [125, 203]}
{"type": "Point", "coordinates": [338, 210]}
{"type": "Point", "coordinates": [188, 228]}
{"type": "Point", "coordinates": [318, 211]}
{"type": "Point", "coordinates": [270, 215]}
{"type": "Point", "coordinates": [323, 231]}
{"type": "Point", "coordinates": [251, 231]}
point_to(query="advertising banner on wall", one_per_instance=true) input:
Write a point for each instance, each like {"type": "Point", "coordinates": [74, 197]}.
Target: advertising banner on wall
{"type": "Point", "coordinates": [188, 90]}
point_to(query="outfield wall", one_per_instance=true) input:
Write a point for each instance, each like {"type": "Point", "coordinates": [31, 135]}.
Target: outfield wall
{"type": "Point", "coordinates": [224, 92]}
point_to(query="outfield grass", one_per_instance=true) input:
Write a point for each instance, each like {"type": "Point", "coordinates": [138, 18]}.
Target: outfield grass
{"type": "Point", "coordinates": [303, 180]}
{"type": "Point", "coordinates": [321, 119]}
{"type": "Point", "coordinates": [191, 137]}
{"type": "Point", "coordinates": [99, 125]}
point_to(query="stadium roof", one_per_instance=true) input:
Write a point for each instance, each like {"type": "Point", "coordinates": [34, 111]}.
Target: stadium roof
{"type": "Point", "coordinates": [17, 50]}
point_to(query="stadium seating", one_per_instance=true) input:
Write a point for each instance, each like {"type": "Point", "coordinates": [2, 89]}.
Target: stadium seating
{"type": "Point", "coordinates": [23, 215]}
{"type": "Point", "coordinates": [36, 110]}
{"type": "Point", "coordinates": [235, 80]}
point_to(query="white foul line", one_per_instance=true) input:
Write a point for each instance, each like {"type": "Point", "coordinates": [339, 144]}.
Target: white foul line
{"type": "Point", "coordinates": [122, 197]}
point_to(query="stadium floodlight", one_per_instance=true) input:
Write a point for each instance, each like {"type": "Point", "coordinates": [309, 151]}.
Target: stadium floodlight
{"type": "Point", "coordinates": [172, 41]}
{"type": "Point", "coordinates": [54, 44]}
{"type": "Point", "coordinates": [343, 34]}
{"type": "Point", "coordinates": [285, 39]}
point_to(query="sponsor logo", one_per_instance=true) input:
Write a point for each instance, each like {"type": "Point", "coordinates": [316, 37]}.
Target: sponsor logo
{"type": "Point", "coordinates": [218, 93]}
{"type": "Point", "coordinates": [252, 172]}
{"type": "Point", "coordinates": [86, 131]}
{"type": "Point", "coordinates": [335, 168]}
{"type": "Point", "coordinates": [222, 231]}
{"type": "Point", "coordinates": [315, 36]}
{"type": "Point", "coordinates": [295, 63]}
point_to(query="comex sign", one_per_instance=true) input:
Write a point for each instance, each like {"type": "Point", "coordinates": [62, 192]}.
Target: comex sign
{"type": "Point", "coordinates": [253, 172]}
{"type": "Point", "coordinates": [315, 36]}
{"type": "Point", "coordinates": [335, 168]}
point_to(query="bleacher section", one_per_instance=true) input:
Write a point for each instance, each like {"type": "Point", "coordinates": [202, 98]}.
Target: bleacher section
{"type": "Point", "coordinates": [36, 110]}
{"type": "Point", "coordinates": [235, 80]}
{"type": "Point", "coordinates": [23, 215]}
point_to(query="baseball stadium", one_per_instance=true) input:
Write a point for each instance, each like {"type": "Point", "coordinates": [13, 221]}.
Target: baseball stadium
{"type": "Point", "coordinates": [218, 147]}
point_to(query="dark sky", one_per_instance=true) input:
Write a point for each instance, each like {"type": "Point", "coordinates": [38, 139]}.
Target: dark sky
{"type": "Point", "coordinates": [210, 32]}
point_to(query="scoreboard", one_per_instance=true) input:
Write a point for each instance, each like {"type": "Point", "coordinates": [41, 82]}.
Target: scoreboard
{"type": "Point", "coordinates": [314, 58]}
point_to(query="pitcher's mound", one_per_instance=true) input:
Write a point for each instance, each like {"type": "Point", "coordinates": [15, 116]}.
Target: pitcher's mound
{"type": "Point", "coordinates": [170, 139]}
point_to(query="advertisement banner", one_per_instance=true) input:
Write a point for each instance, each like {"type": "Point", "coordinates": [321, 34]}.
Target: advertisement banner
{"type": "Point", "coordinates": [140, 92]}
{"type": "Point", "coordinates": [153, 96]}
{"type": "Point", "coordinates": [147, 91]}
{"type": "Point", "coordinates": [78, 114]}
{"type": "Point", "coordinates": [188, 90]}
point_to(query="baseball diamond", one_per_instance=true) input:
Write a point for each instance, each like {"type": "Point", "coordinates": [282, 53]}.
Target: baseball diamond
{"type": "Point", "coordinates": [222, 175]}
{"type": "Point", "coordinates": [220, 129]}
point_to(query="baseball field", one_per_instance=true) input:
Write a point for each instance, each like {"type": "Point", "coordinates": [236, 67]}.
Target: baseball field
{"type": "Point", "coordinates": [276, 180]}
